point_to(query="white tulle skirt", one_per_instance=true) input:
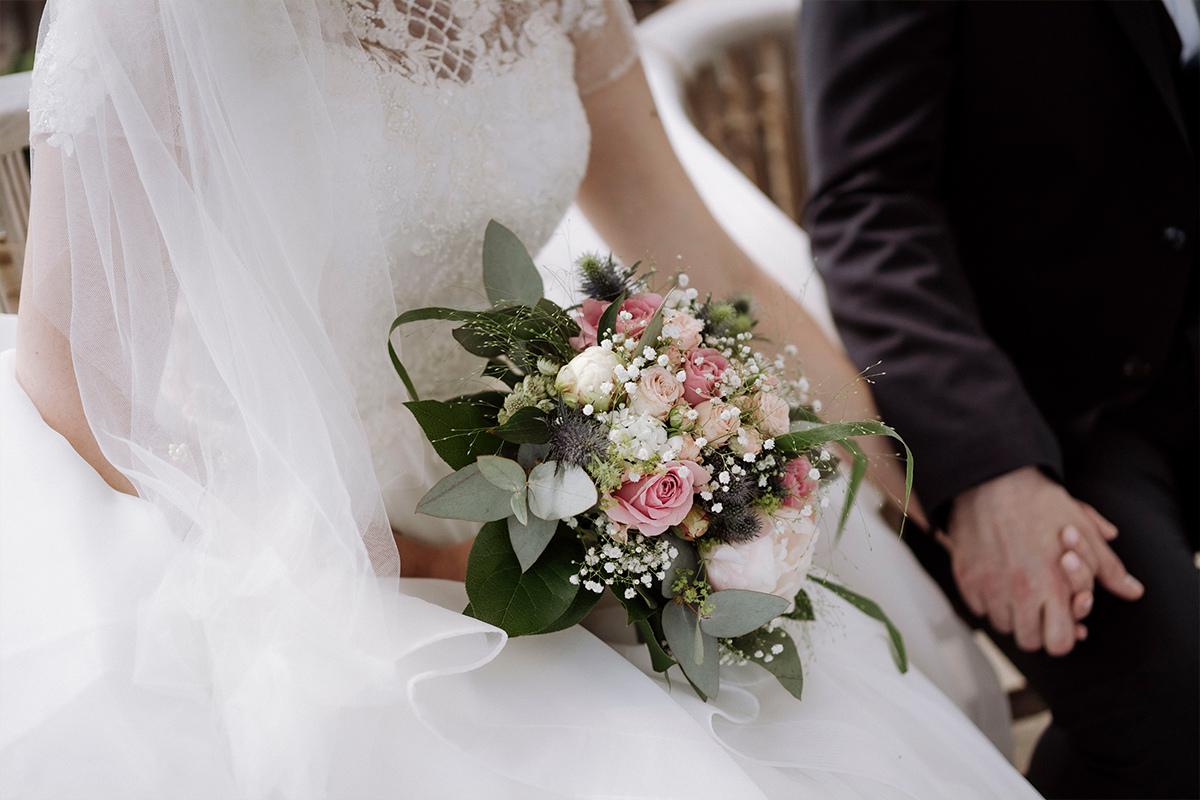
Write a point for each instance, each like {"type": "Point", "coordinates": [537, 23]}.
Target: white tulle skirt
{"type": "Point", "coordinates": [85, 709]}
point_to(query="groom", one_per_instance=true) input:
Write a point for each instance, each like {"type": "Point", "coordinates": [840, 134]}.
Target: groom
{"type": "Point", "coordinates": [1005, 213]}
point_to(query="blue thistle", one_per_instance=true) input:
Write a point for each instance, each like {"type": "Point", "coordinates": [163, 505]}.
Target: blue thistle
{"type": "Point", "coordinates": [603, 279]}
{"type": "Point", "coordinates": [576, 438]}
{"type": "Point", "coordinates": [734, 525]}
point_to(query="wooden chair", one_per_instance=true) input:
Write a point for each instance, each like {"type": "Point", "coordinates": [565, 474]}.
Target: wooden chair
{"type": "Point", "coordinates": [14, 183]}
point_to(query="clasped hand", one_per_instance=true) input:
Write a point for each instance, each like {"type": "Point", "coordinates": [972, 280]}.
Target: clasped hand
{"type": "Point", "coordinates": [1026, 554]}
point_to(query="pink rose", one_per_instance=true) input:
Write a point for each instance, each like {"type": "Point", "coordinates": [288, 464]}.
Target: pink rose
{"type": "Point", "coordinates": [771, 414]}
{"type": "Point", "coordinates": [775, 563]}
{"type": "Point", "coordinates": [798, 483]}
{"type": "Point", "coordinates": [656, 502]}
{"type": "Point", "coordinates": [717, 421]}
{"type": "Point", "coordinates": [640, 306]}
{"type": "Point", "coordinates": [657, 392]}
{"type": "Point", "coordinates": [704, 368]}
{"type": "Point", "coordinates": [682, 329]}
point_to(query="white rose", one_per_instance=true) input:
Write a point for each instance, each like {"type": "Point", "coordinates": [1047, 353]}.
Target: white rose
{"type": "Point", "coordinates": [658, 391]}
{"type": "Point", "coordinates": [588, 379]}
{"type": "Point", "coordinates": [774, 563]}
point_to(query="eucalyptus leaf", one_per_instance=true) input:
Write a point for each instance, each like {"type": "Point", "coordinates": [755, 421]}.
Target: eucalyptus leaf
{"type": "Point", "coordinates": [457, 431]}
{"type": "Point", "coordinates": [520, 602]}
{"type": "Point", "coordinates": [529, 425]}
{"type": "Point", "coordinates": [558, 490]}
{"type": "Point", "coordinates": [509, 275]}
{"type": "Point", "coordinates": [872, 610]}
{"type": "Point", "coordinates": [519, 509]}
{"type": "Point", "coordinates": [468, 495]}
{"type": "Point", "coordinates": [699, 663]}
{"type": "Point", "coordinates": [736, 612]}
{"type": "Point", "coordinates": [503, 473]}
{"type": "Point", "coordinates": [684, 562]}
{"type": "Point", "coordinates": [608, 320]}
{"type": "Point", "coordinates": [529, 538]}
{"type": "Point", "coordinates": [785, 664]}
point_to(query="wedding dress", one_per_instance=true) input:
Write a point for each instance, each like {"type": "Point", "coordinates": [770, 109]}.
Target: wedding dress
{"type": "Point", "coordinates": [232, 200]}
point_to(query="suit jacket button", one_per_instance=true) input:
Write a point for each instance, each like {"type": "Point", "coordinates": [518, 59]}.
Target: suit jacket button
{"type": "Point", "coordinates": [1175, 237]}
{"type": "Point", "coordinates": [1136, 368]}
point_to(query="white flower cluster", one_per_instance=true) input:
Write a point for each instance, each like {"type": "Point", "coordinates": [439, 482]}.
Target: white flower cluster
{"type": "Point", "coordinates": [638, 437]}
{"type": "Point", "coordinates": [638, 561]}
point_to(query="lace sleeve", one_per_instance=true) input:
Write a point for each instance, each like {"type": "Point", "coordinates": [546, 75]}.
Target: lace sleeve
{"type": "Point", "coordinates": [602, 31]}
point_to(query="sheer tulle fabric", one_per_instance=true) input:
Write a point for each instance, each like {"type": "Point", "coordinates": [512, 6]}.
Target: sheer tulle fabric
{"type": "Point", "coordinates": [199, 193]}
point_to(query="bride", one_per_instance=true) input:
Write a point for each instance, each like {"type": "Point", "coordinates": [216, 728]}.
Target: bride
{"type": "Point", "coordinates": [205, 455]}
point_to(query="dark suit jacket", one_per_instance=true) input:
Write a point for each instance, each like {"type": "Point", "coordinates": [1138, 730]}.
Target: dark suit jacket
{"type": "Point", "coordinates": [1005, 211]}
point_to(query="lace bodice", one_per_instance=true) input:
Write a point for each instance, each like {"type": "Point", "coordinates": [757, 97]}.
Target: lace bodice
{"type": "Point", "coordinates": [482, 120]}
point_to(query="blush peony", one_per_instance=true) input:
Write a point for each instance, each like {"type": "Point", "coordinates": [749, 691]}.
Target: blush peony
{"type": "Point", "coordinates": [656, 502]}
{"type": "Point", "coordinates": [774, 563]}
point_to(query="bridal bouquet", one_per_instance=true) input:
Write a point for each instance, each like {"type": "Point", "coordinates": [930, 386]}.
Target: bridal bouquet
{"type": "Point", "coordinates": [643, 446]}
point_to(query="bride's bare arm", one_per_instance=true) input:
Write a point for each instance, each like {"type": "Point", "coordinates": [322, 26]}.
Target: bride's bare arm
{"type": "Point", "coordinates": [43, 359]}
{"type": "Point", "coordinates": [641, 201]}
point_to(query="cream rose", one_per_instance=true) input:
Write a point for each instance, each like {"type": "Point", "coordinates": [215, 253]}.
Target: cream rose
{"type": "Point", "coordinates": [774, 563]}
{"type": "Point", "coordinates": [588, 379]}
{"type": "Point", "coordinates": [746, 441]}
{"type": "Point", "coordinates": [657, 393]}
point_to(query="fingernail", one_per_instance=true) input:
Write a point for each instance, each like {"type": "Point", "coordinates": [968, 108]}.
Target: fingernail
{"type": "Point", "coordinates": [1070, 536]}
{"type": "Point", "coordinates": [1070, 561]}
{"type": "Point", "coordinates": [1086, 602]}
{"type": "Point", "coordinates": [1134, 583]}
{"type": "Point", "coordinates": [1081, 632]}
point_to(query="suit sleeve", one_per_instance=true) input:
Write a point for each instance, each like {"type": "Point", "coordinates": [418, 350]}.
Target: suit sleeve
{"type": "Point", "coordinates": [876, 79]}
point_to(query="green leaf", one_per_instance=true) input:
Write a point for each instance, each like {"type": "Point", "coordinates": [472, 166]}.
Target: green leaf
{"type": "Point", "coordinates": [502, 372]}
{"type": "Point", "coordinates": [684, 562]}
{"type": "Point", "coordinates": [421, 315]}
{"type": "Point", "coordinates": [467, 495]}
{"type": "Point", "coordinates": [858, 469]}
{"type": "Point", "coordinates": [529, 425]}
{"type": "Point", "coordinates": [784, 665]}
{"type": "Point", "coordinates": [457, 431]}
{"type": "Point", "coordinates": [653, 330]}
{"type": "Point", "coordinates": [558, 490]}
{"type": "Point", "coordinates": [529, 538]}
{"type": "Point", "coordinates": [521, 603]}
{"type": "Point", "coordinates": [695, 650]}
{"type": "Point", "coordinates": [508, 272]}
{"type": "Point", "coordinates": [608, 320]}
{"type": "Point", "coordinates": [803, 612]}
{"type": "Point", "coordinates": [580, 607]}
{"type": "Point", "coordinates": [736, 612]}
{"type": "Point", "coordinates": [478, 340]}
{"type": "Point", "coordinates": [637, 608]}
{"type": "Point", "coordinates": [872, 610]}
{"type": "Point", "coordinates": [652, 635]}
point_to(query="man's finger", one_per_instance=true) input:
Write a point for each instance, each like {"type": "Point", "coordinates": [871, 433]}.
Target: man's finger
{"type": "Point", "coordinates": [1027, 626]}
{"type": "Point", "coordinates": [1059, 629]}
{"type": "Point", "coordinates": [1112, 575]}
{"type": "Point", "coordinates": [1081, 604]}
{"type": "Point", "coordinates": [1107, 529]}
{"type": "Point", "coordinates": [1078, 575]}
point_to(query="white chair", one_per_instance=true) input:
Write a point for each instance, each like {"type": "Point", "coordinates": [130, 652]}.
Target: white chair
{"type": "Point", "coordinates": [14, 178]}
